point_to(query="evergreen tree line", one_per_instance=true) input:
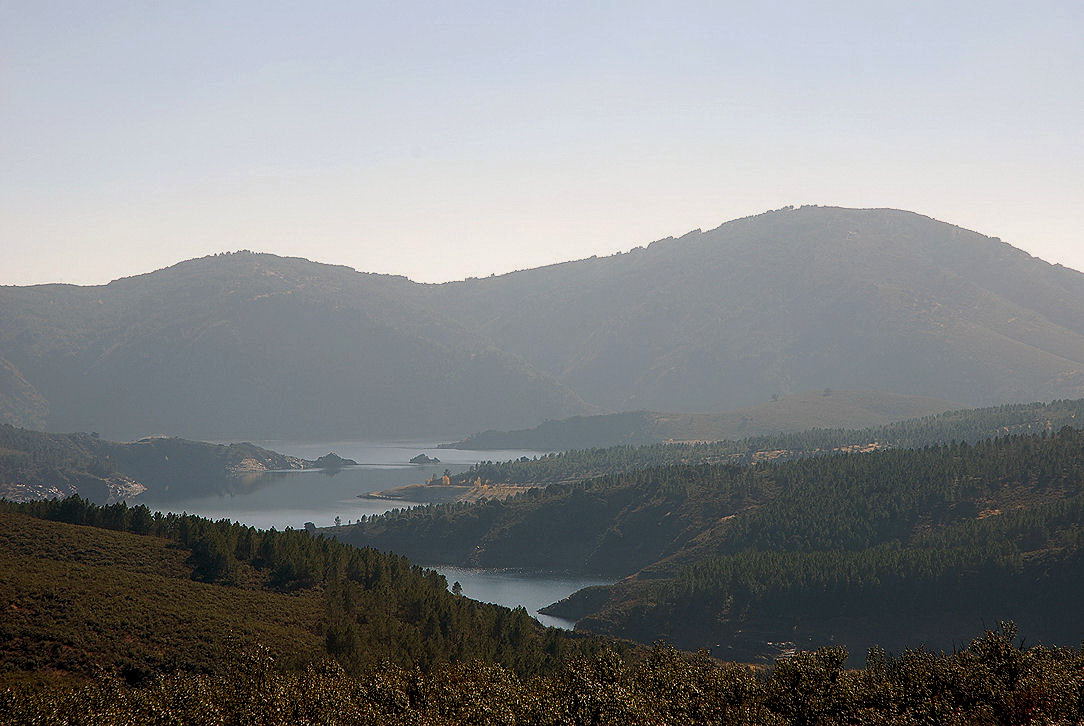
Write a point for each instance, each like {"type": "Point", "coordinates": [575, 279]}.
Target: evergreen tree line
{"type": "Point", "coordinates": [967, 425]}
{"type": "Point", "coordinates": [957, 533]}
{"type": "Point", "coordinates": [978, 530]}
{"type": "Point", "coordinates": [380, 607]}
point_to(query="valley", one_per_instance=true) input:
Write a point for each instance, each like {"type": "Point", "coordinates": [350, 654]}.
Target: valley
{"type": "Point", "coordinates": [258, 346]}
{"type": "Point", "coordinates": [541, 364]}
{"type": "Point", "coordinates": [795, 498]}
{"type": "Point", "coordinates": [703, 552]}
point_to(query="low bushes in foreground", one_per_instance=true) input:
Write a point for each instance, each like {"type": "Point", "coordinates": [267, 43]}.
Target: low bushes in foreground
{"type": "Point", "coordinates": [996, 680]}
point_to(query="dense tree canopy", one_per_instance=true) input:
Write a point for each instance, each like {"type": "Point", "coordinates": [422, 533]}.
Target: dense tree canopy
{"type": "Point", "coordinates": [379, 607]}
{"type": "Point", "coordinates": [967, 425]}
{"type": "Point", "coordinates": [970, 531]}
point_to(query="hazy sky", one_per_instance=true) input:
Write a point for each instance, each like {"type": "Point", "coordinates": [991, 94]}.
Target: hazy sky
{"type": "Point", "coordinates": [446, 139]}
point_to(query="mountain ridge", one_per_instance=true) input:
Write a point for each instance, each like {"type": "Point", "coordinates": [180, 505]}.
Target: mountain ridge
{"type": "Point", "coordinates": [691, 309]}
{"type": "Point", "coordinates": [773, 304]}
{"type": "Point", "coordinates": [246, 340]}
{"type": "Point", "coordinates": [797, 412]}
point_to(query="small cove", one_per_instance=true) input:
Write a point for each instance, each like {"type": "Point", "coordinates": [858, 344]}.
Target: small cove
{"type": "Point", "coordinates": [292, 498]}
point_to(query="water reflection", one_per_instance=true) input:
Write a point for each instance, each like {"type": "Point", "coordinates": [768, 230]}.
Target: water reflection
{"type": "Point", "coordinates": [283, 499]}
{"type": "Point", "coordinates": [512, 588]}
{"type": "Point", "coordinates": [290, 498]}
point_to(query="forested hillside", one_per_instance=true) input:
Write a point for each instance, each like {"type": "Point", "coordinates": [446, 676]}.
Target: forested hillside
{"type": "Point", "coordinates": [90, 589]}
{"type": "Point", "coordinates": [799, 412]}
{"type": "Point", "coordinates": [257, 346]}
{"type": "Point", "coordinates": [788, 301]}
{"type": "Point", "coordinates": [853, 548]}
{"type": "Point", "coordinates": [969, 425]}
{"type": "Point", "coordinates": [37, 465]}
{"type": "Point", "coordinates": [118, 615]}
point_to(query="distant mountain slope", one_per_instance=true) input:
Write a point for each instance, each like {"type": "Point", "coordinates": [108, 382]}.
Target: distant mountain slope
{"type": "Point", "coordinates": [969, 425]}
{"type": "Point", "coordinates": [823, 409]}
{"type": "Point", "coordinates": [20, 403]}
{"type": "Point", "coordinates": [249, 345]}
{"type": "Point", "coordinates": [257, 346]}
{"type": "Point", "coordinates": [38, 465]}
{"type": "Point", "coordinates": [788, 301]}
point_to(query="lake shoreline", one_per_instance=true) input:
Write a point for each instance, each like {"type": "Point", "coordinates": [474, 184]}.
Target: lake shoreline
{"type": "Point", "coordinates": [445, 493]}
{"type": "Point", "coordinates": [293, 497]}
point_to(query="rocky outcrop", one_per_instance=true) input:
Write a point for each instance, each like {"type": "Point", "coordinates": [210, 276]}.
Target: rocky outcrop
{"type": "Point", "coordinates": [330, 460]}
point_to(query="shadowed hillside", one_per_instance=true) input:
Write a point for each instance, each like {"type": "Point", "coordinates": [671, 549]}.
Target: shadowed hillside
{"type": "Point", "coordinates": [822, 409]}
{"type": "Point", "coordinates": [253, 345]}
{"type": "Point", "coordinates": [860, 548]}
{"type": "Point", "coordinates": [20, 404]}
{"type": "Point", "coordinates": [793, 300]}
{"type": "Point", "coordinates": [258, 346]}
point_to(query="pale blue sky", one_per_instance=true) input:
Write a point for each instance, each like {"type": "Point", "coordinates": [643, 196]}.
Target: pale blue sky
{"type": "Point", "coordinates": [440, 140]}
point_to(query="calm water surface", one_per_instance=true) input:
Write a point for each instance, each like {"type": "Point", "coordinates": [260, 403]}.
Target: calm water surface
{"type": "Point", "coordinates": [512, 588]}
{"type": "Point", "coordinates": [292, 498]}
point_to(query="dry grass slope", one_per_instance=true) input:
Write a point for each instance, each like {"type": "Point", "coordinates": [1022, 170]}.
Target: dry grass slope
{"type": "Point", "coordinates": [75, 600]}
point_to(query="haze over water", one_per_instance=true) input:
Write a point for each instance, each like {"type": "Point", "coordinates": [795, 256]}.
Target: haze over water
{"type": "Point", "coordinates": [292, 498]}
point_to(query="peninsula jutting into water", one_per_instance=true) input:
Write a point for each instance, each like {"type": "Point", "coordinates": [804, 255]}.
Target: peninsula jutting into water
{"type": "Point", "coordinates": [541, 364]}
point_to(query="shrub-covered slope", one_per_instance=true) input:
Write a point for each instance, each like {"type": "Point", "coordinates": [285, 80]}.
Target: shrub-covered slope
{"type": "Point", "coordinates": [992, 682]}
{"type": "Point", "coordinates": [80, 599]}
{"type": "Point", "coordinates": [90, 589]}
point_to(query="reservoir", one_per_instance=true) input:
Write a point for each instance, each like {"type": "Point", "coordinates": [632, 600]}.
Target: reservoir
{"type": "Point", "coordinates": [292, 498]}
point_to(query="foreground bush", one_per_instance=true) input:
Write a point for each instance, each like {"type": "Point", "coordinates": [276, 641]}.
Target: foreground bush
{"type": "Point", "coordinates": [993, 681]}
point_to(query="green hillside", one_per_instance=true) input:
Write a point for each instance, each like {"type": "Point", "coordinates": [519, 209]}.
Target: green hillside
{"type": "Point", "coordinates": [856, 548]}
{"type": "Point", "coordinates": [97, 590]}
{"type": "Point", "coordinates": [969, 425]}
{"type": "Point", "coordinates": [799, 412]}
{"type": "Point", "coordinates": [102, 626]}
{"type": "Point", "coordinates": [79, 599]}
{"type": "Point", "coordinates": [37, 465]}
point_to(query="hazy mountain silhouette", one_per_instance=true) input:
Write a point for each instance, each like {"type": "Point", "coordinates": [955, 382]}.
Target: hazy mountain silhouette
{"type": "Point", "coordinates": [793, 300]}
{"type": "Point", "coordinates": [789, 301]}
{"type": "Point", "coordinates": [256, 345]}
{"type": "Point", "coordinates": [20, 403]}
{"type": "Point", "coordinates": [825, 409]}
